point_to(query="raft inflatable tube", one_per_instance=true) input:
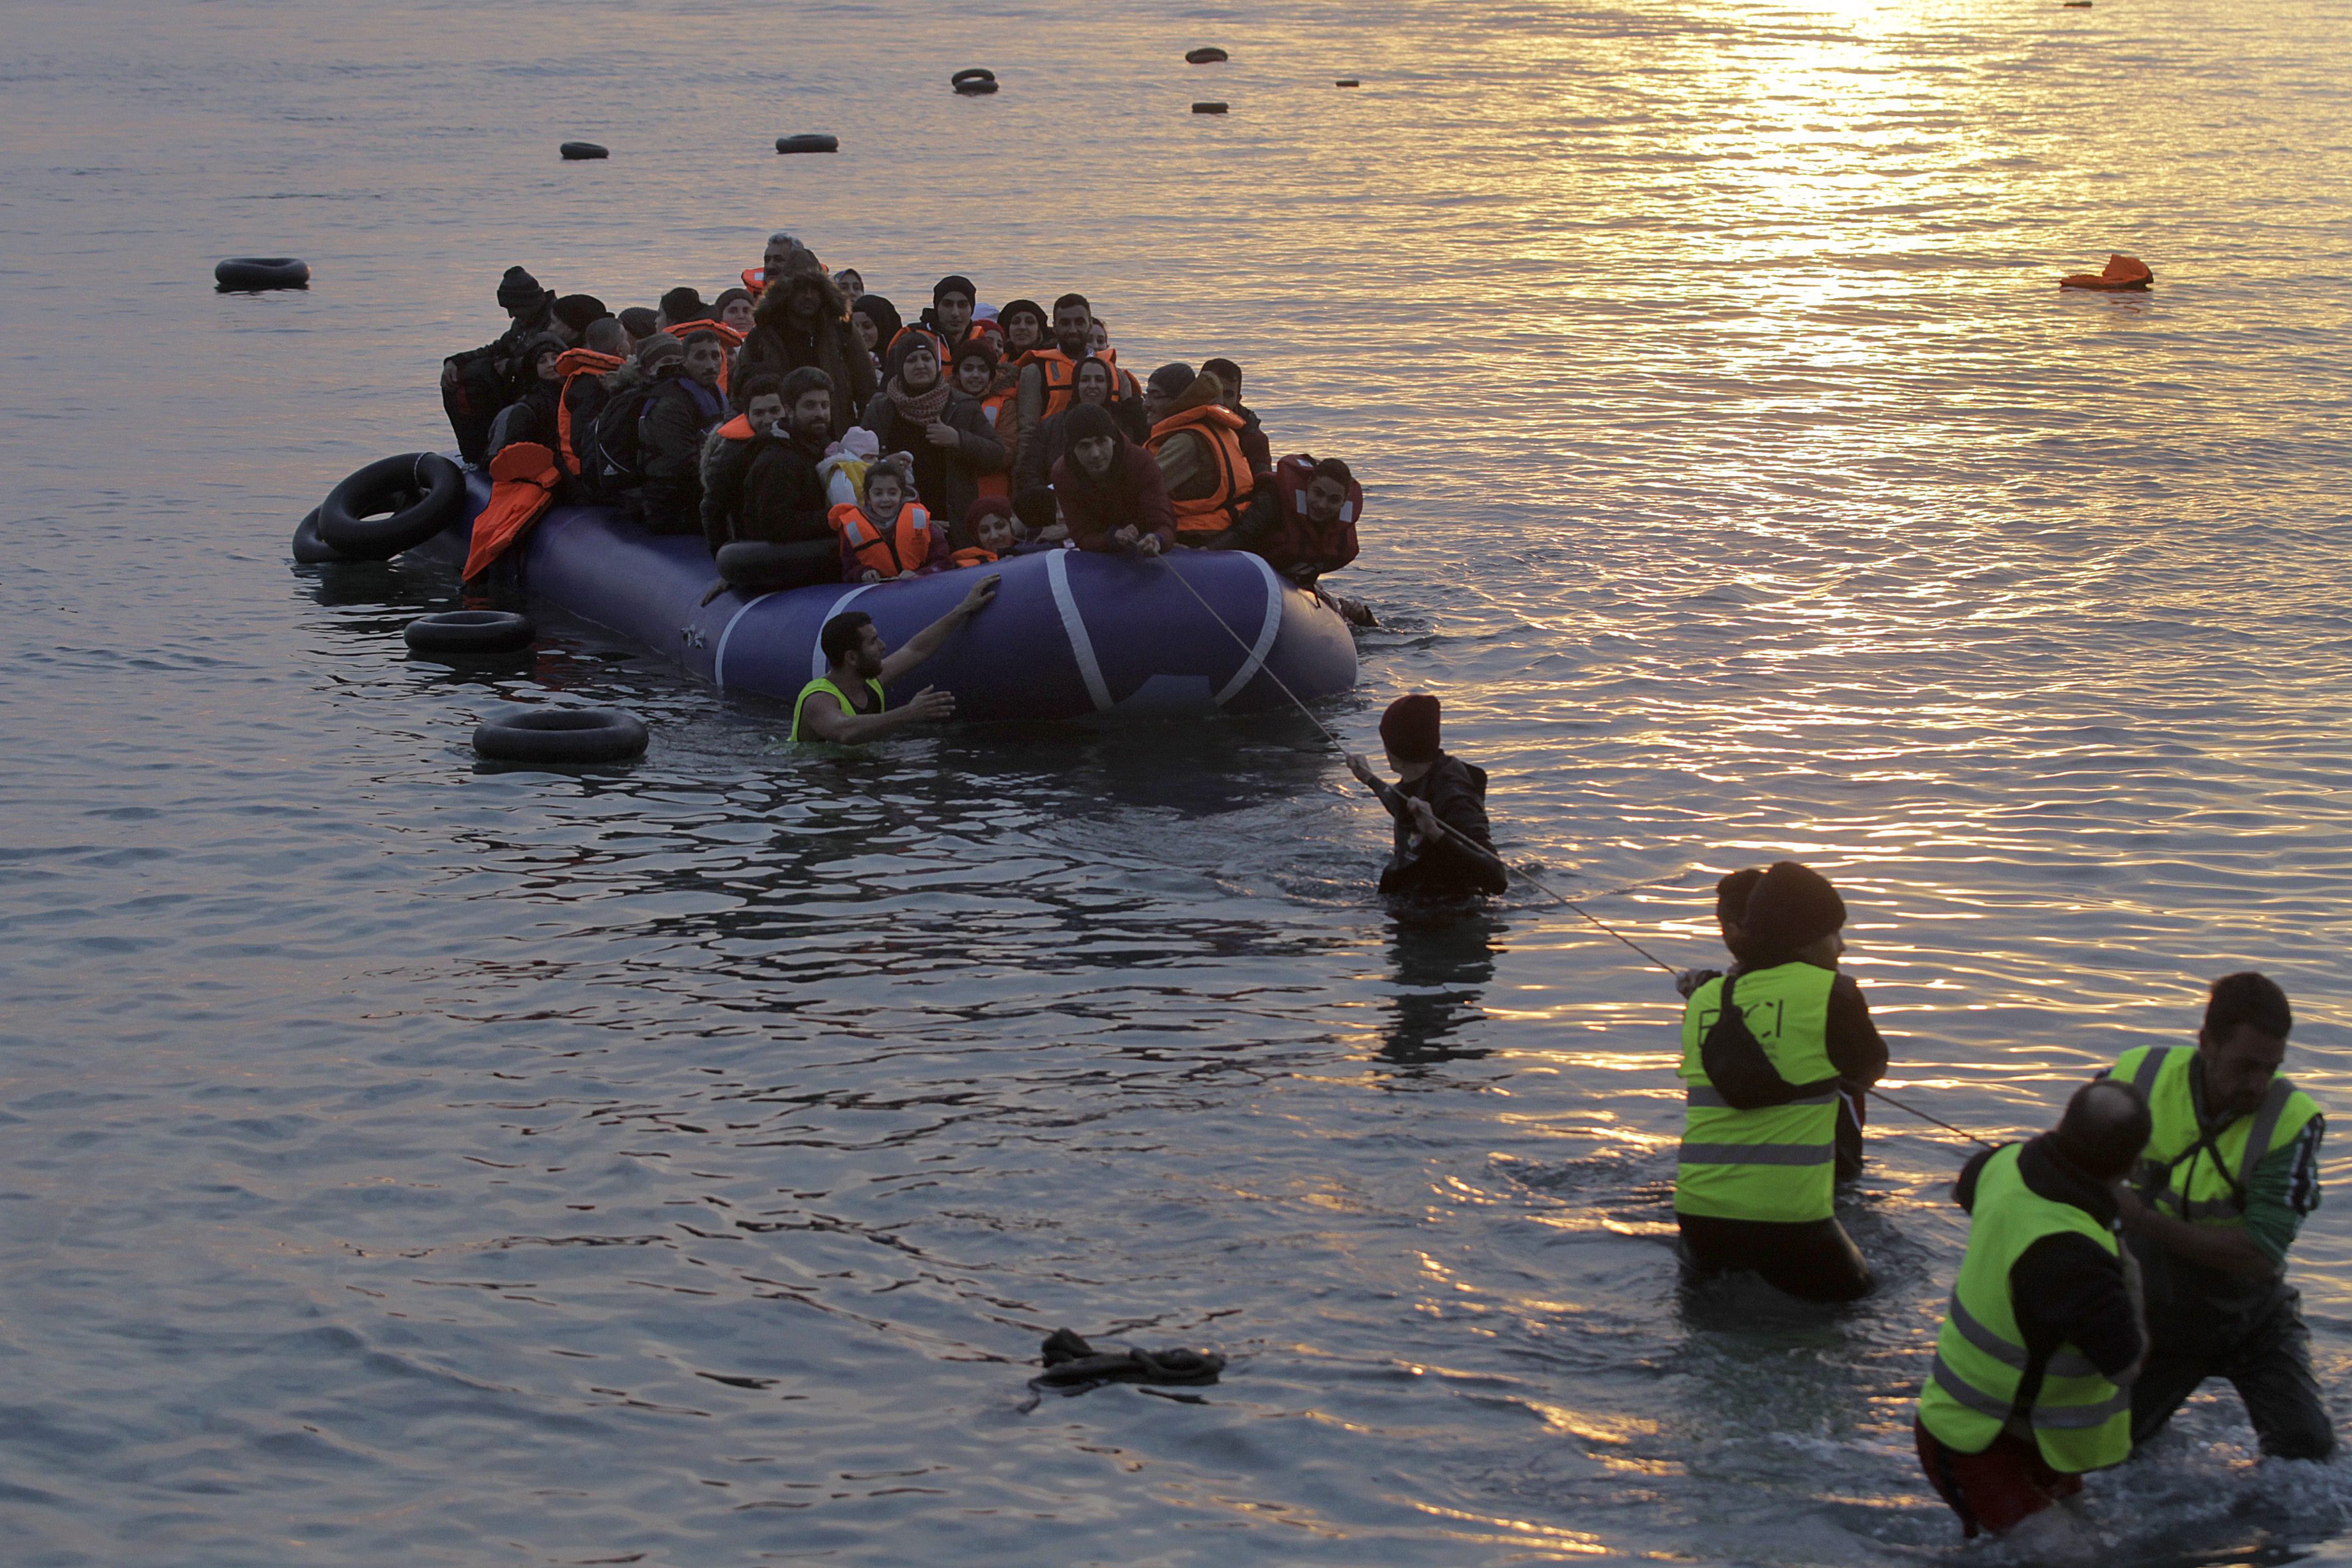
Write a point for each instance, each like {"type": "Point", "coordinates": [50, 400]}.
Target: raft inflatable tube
{"type": "Point", "coordinates": [422, 492]}
{"type": "Point", "coordinates": [309, 549]}
{"type": "Point", "coordinates": [1207, 56]}
{"type": "Point", "coordinates": [574, 152]}
{"type": "Point", "coordinates": [470, 632]}
{"type": "Point", "coordinates": [251, 274]}
{"type": "Point", "coordinates": [808, 141]}
{"type": "Point", "coordinates": [1070, 635]}
{"type": "Point", "coordinates": [568, 737]}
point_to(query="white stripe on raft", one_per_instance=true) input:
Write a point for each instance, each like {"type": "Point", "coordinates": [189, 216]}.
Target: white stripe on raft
{"type": "Point", "coordinates": [1057, 571]}
{"type": "Point", "coordinates": [719, 660]}
{"type": "Point", "coordinates": [817, 665]}
{"type": "Point", "coordinates": [1266, 633]}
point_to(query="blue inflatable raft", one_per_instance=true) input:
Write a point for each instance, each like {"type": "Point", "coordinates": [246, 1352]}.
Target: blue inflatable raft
{"type": "Point", "coordinates": [1070, 635]}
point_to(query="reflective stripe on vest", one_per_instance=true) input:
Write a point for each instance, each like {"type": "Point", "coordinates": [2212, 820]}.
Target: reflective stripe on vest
{"type": "Point", "coordinates": [906, 549]}
{"type": "Point", "coordinates": [1777, 1164]}
{"type": "Point", "coordinates": [1219, 429]}
{"type": "Point", "coordinates": [824, 683]}
{"type": "Point", "coordinates": [2080, 1420]}
{"type": "Point", "coordinates": [2204, 1181]}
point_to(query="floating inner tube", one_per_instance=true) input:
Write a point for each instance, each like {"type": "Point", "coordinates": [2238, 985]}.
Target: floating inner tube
{"type": "Point", "coordinates": [808, 141]}
{"type": "Point", "coordinates": [1347, 81]}
{"type": "Point", "coordinates": [248, 274]}
{"type": "Point", "coordinates": [1207, 56]}
{"type": "Point", "coordinates": [309, 549]}
{"type": "Point", "coordinates": [574, 150]}
{"type": "Point", "coordinates": [566, 735]}
{"type": "Point", "coordinates": [469, 631]}
{"type": "Point", "coordinates": [970, 74]}
{"type": "Point", "coordinates": [1208, 108]}
{"type": "Point", "coordinates": [975, 88]}
{"type": "Point", "coordinates": [423, 493]}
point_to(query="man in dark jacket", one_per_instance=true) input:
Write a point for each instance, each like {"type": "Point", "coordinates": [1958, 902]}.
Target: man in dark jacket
{"type": "Point", "coordinates": [682, 410]}
{"type": "Point", "coordinates": [800, 321]}
{"type": "Point", "coordinates": [1255, 445]}
{"type": "Point", "coordinates": [478, 383]}
{"type": "Point", "coordinates": [1433, 793]}
{"type": "Point", "coordinates": [784, 500]}
{"type": "Point", "coordinates": [919, 411]}
{"type": "Point", "coordinates": [2073, 1301]}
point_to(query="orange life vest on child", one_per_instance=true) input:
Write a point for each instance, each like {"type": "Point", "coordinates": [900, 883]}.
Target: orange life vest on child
{"type": "Point", "coordinates": [1219, 429]}
{"type": "Point", "coordinates": [905, 549]}
{"type": "Point", "coordinates": [571, 366]}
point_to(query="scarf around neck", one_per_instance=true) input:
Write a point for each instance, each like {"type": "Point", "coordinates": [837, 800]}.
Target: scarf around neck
{"type": "Point", "coordinates": [920, 410]}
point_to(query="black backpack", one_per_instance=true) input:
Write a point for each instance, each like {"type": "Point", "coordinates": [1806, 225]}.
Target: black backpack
{"type": "Point", "coordinates": [1736, 1063]}
{"type": "Point", "coordinates": [615, 460]}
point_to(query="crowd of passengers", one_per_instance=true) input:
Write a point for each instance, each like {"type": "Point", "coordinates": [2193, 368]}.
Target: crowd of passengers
{"type": "Point", "coordinates": [800, 412]}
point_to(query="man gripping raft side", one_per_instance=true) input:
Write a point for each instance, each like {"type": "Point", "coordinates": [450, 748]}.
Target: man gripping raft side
{"type": "Point", "coordinates": [2231, 1169]}
{"type": "Point", "coordinates": [846, 705]}
{"type": "Point", "coordinates": [1765, 1050]}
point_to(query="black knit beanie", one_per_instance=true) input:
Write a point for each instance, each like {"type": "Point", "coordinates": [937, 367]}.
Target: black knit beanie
{"type": "Point", "coordinates": [1090, 422]}
{"type": "Point", "coordinates": [684, 303]}
{"type": "Point", "coordinates": [576, 311]}
{"type": "Point", "coordinates": [1794, 906]}
{"type": "Point", "coordinates": [954, 283]}
{"type": "Point", "coordinates": [519, 289]}
{"type": "Point", "coordinates": [1173, 380]}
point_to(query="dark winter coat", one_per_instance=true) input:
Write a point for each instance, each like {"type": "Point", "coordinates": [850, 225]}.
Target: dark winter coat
{"type": "Point", "coordinates": [783, 498]}
{"type": "Point", "coordinates": [1134, 494]}
{"type": "Point", "coordinates": [669, 444]}
{"type": "Point", "coordinates": [947, 479]}
{"type": "Point", "coordinates": [1456, 792]}
{"type": "Point", "coordinates": [776, 344]}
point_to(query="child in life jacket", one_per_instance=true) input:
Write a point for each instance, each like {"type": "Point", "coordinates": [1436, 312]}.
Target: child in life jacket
{"type": "Point", "coordinates": [844, 466]}
{"type": "Point", "coordinates": [890, 535]}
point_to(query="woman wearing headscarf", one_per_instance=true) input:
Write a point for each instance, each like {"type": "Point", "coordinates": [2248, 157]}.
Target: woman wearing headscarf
{"type": "Point", "coordinates": [920, 412]}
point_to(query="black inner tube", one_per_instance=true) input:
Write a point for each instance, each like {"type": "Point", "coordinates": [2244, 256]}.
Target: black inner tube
{"type": "Point", "coordinates": [469, 631]}
{"type": "Point", "coordinates": [562, 735]}
{"type": "Point", "coordinates": [246, 274]}
{"type": "Point", "coordinates": [310, 548]}
{"type": "Point", "coordinates": [578, 149]}
{"type": "Point", "coordinates": [971, 73]}
{"type": "Point", "coordinates": [422, 492]}
{"type": "Point", "coordinates": [808, 141]}
{"type": "Point", "coordinates": [1206, 57]}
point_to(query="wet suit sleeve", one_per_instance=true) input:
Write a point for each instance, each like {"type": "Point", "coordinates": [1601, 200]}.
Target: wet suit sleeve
{"type": "Point", "coordinates": [2068, 1290]}
{"type": "Point", "coordinates": [2285, 1188]}
{"type": "Point", "coordinates": [1855, 1048]}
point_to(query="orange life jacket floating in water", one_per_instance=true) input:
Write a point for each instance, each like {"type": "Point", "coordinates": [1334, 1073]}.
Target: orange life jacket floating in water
{"type": "Point", "coordinates": [523, 477]}
{"type": "Point", "coordinates": [2121, 272]}
{"type": "Point", "coordinates": [571, 366]}
{"type": "Point", "coordinates": [1219, 429]}
{"type": "Point", "coordinates": [905, 549]}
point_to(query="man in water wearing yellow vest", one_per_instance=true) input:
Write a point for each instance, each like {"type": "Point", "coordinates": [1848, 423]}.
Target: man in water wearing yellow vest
{"type": "Point", "coordinates": [846, 705]}
{"type": "Point", "coordinates": [2232, 1169]}
{"type": "Point", "coordinates": [2042, 1337]}
{"type": "Point", "coordinates": [1764, 1051]}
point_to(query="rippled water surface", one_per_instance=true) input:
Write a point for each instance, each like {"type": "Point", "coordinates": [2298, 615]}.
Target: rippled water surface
{"type": "Point", "coordinates": [406, 1162]}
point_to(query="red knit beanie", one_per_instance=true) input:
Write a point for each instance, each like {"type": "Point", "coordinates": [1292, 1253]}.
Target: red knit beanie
{"type": "Point", "coordinates": [1408, 729]}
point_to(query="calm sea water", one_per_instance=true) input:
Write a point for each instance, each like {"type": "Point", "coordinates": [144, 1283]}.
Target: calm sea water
{"type": "Point", "coordinates": [402, 1162]}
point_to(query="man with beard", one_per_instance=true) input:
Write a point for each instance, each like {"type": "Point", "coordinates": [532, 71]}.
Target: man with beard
{"type": "Point", "coordinates": [845, 704]}
{"type": "Point", "coordinates": [802, 322]}
{"type": "Point", "coordinates": [783, 503]}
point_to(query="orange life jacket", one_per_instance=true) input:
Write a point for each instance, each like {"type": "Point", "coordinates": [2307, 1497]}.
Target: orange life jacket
{"type": "Point", "coordinates": [1061, 372]}
{"type": "Point", "coordinates": [2120, 272]}
{"type": "Point", "coordinates": [1000, 408]}
{"type": "Point", "coordinates": [905, 549]}
{"type": "Point", "coordinates": [755, 279]}
{"type": "Point", "coordinates": [1219, 429]}
{"type": "Point", "coordinates": [574, 364]}
{"type": "Point", "coordinates": [973, 556]}
{"type": "Point", "coordinates": [523, 477]}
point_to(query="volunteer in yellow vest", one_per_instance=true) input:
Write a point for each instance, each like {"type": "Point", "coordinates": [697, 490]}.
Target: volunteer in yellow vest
{"type": "Point", "coordinates": [2042, 1340]}
{"type": "Point", "coordinates": [1764, 1049]}
{"type": "Point", "coordinates": [2232, 1169]}
{"type": "Point", "coordinates": [846, 705]}
{"type": "Point", "coordinates": [1198, 442]}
